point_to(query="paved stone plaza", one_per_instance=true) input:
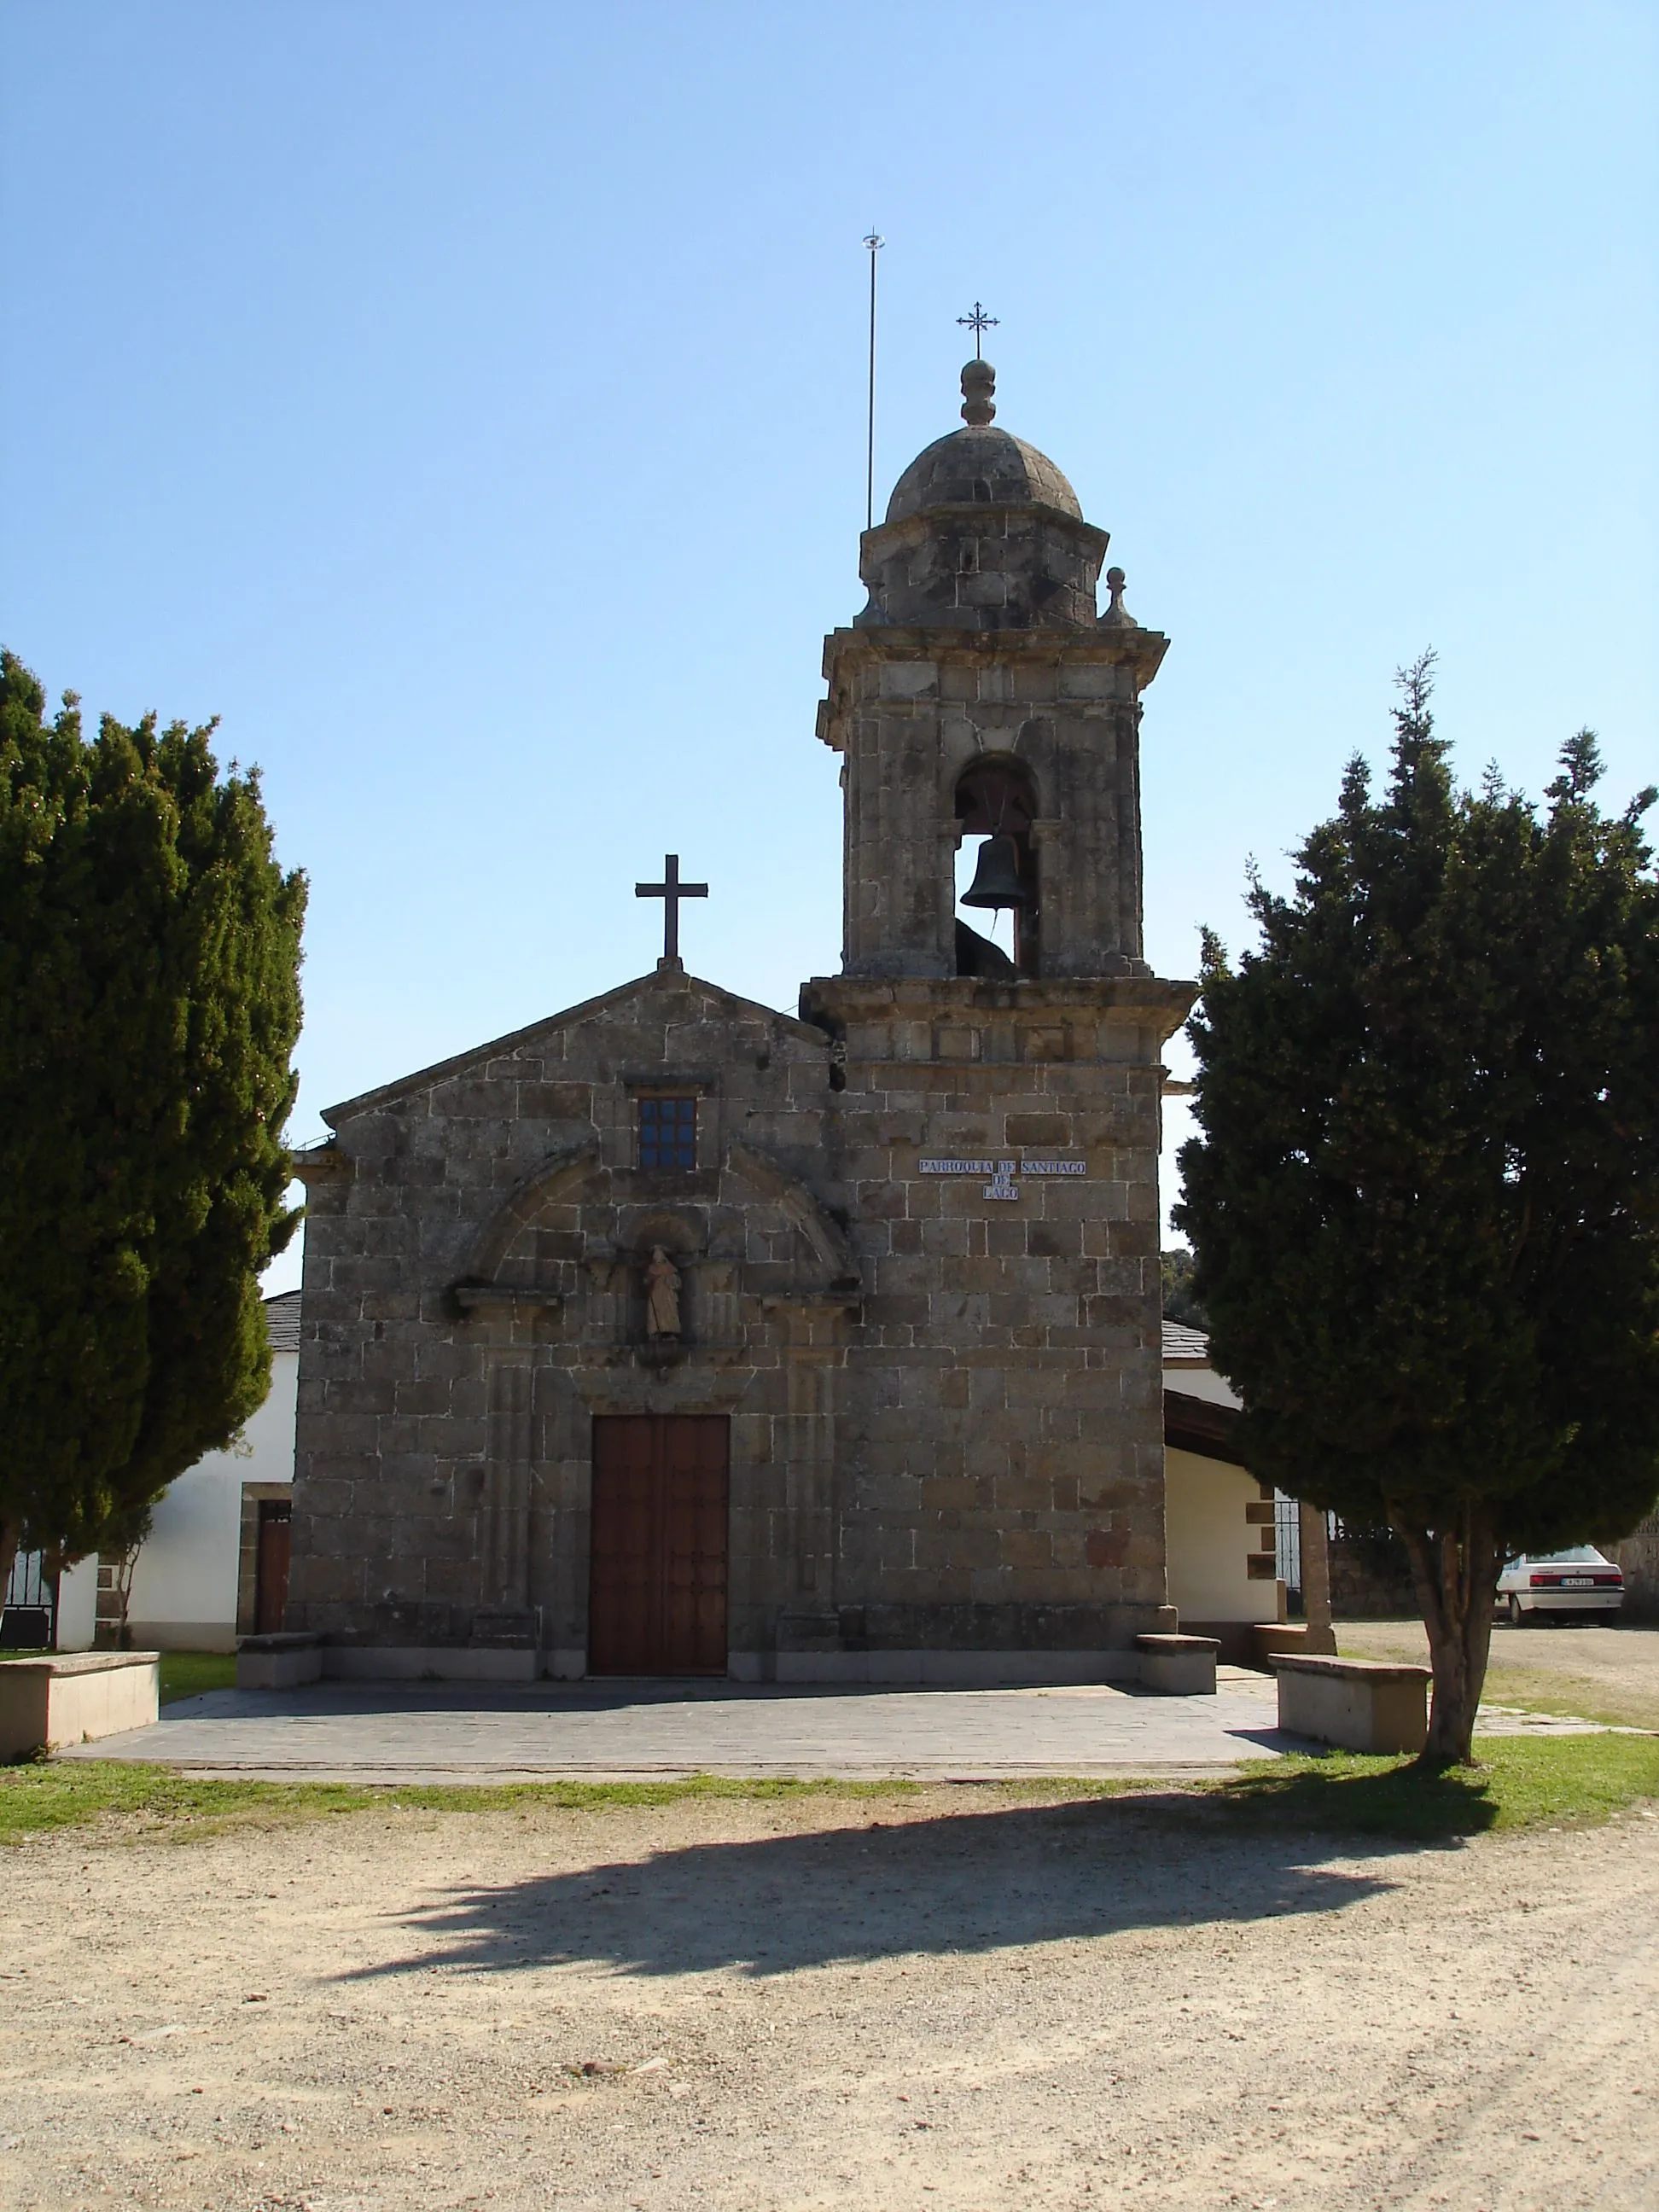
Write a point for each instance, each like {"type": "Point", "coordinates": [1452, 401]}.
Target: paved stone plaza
{"type": "Point", "coordinates": [448, 1732]}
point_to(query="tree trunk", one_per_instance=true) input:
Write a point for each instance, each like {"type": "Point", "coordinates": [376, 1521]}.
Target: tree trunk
{"type": "Point", "coordinates": [126, 1561]}
{"type": "Point", "coordinates": [1313, 1529]}
{"type": "Point", "coordinates": [10, 1537]}
{"type": "Point", "coordinates": [1455, 1572]}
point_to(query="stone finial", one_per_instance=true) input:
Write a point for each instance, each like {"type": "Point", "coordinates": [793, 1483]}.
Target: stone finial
{"type": "Point", "coordinates": [1116, 613]}
{"type": "Point", "coordinates": [979, 381]}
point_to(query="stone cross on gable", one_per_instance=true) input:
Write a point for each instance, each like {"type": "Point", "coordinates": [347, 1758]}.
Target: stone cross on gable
{"type": "Point", "coordinates": [671, 890]}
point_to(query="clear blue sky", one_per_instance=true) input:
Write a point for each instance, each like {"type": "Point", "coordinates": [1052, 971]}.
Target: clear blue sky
{"type": "Point", "coordinates": [465, 402]}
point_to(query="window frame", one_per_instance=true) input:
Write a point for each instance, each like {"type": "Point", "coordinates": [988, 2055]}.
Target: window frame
{"type": "Point", "coordinates": [647, 1100]}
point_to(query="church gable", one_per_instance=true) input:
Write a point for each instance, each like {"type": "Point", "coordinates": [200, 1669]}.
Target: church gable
{"type": "Point", "coordinates": [533, 1170]}
{"type": "Point", "coordinates": [685, 1008]}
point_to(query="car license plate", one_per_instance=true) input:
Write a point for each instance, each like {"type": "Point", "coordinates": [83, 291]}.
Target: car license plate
{"type": "Point", "coordinates": [1578, 1582]}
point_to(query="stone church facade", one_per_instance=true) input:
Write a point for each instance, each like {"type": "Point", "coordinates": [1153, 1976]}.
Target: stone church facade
{"type": "Point", "coordinates": [674, 1334]}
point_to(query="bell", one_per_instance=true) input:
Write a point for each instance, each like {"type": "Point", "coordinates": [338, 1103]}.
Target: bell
{"type": "Point", "coordinates": [996, 879]}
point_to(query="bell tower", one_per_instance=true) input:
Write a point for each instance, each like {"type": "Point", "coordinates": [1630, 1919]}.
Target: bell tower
{"type": "Point", "coordinates": [993, 1139]}
{"type": "Point", "coordinates": [978, 694]}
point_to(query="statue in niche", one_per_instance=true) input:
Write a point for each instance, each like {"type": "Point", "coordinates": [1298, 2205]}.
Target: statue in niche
{"type": "Point", "coordinates": [662, 1294]}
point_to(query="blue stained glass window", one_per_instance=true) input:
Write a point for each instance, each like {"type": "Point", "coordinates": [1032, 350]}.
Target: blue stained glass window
{"type": "Point", "coordinates": [668, 1133]}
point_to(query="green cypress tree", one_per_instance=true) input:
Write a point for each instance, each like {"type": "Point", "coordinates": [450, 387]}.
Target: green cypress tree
{"type": "Point", "coordinates": [1424, 1203]}
{"type": "Point", "coordinates": [149, 1002]}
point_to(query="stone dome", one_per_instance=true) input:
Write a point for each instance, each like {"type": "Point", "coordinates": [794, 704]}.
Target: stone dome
{"type": "Point", "coordinates": [980, 466]}
{"type": "Point", "coordinates": [982, 533]}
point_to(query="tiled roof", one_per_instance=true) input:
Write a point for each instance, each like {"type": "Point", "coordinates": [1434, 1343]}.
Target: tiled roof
{"type": "Point", "coordinates": [1181, 1342]}
{"type": "Point", "coordinates": [1201, 1425]}
{"type": "Point", "coordinates": [282, 1320]}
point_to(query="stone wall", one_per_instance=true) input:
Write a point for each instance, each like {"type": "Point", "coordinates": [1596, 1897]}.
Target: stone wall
{"type": "Point", "coordinates": [1000, 1475]}
{"type": "Point", "coordinates": [912, 709]}
{"type": "Point", "coordinates": [474, 1295]}
{"type": "Point", "coordinates": [1360, 1591]}
{"type": "Point", "coordinates": [946, 1409]}
{"type": "Point", "coordinates": [1638, 1556]}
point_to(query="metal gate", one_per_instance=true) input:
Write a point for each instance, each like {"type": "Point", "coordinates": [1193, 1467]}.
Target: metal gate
{"type": "Point", "coordinates": [1288, 1541]}
{"type": "Point", "coordinates": [26, 1624]}
{"type": "Point", "coordinates": [1287, 1545]}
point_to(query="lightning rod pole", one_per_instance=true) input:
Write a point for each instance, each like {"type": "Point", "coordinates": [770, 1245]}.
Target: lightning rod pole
{"type": "Point", "coordinates": [875, 245]}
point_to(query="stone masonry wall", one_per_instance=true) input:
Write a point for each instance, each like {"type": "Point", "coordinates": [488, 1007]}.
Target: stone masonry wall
{"type": "Point", "coordinates": [945, 1410]}
{"type": "Point", "coordinates": [473, 1296]}
{"type": "Point", "coordinates": [1638, 1556]}
{"type": "Point", "coordinates": [999, 1475]}
{"type": "Point", "coordinates": [911, 709]}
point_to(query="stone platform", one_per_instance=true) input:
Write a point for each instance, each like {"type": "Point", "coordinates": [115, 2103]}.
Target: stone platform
{"type": "Point", "coordinates": [63, 1697]}
{"type": "Point", "coordinates": [479, 1733]}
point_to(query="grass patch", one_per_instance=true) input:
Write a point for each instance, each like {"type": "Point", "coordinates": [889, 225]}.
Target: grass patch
{"type": "Point", "coordinates": [593, 1797]}
{"type": "Point", "coordinates": [151, 1799]}
{"type": "Point", "coordinates": [42, 1795]}
{"type": "Point", "coordinates": [1541, 1670]}
{"type": "Point", "coordinates": [189, 1674]}
{"type": "Point", "coordinates": [1579, 1697]}
{"type": "Point", "coordinates": [1521, 1782]}
{"type": "Point", "coordinates": [183, 1673]}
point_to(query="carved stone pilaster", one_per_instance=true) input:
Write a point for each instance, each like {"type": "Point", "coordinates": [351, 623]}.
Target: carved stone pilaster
{"type": "Point", "coordinates": [505, 1508]}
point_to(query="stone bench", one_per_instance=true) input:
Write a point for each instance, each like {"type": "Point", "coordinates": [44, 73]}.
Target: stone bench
{"type": "Point", "coordinates": [76, 1698]}
{"type": "Point", "coordinates": [278, 1661]}
{"type": "Point", "coordinates": [1268, 1638]}
{"type": "Point", "coordinates": [1181, 1666]}
{"type": "Point", "coordinates": [1357, 1705]}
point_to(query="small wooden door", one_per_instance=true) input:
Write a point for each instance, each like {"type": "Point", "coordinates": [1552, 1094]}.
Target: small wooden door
{"type": "Point", "coordinates": [657, 1584]}
{"type": "Point", "coordinates": [271, 1575]}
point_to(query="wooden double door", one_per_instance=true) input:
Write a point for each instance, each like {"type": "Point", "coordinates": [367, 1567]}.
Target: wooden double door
{"type": "Point", "coordinates": [657, 1582]}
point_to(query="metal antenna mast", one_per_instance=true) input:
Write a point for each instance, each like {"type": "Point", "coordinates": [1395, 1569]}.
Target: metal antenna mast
{"type": "Point", "coordinates": [875, 244]}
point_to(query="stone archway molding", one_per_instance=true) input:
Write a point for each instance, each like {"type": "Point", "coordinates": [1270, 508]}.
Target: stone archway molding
{"type": "Point", "coordinates": [567, 1163]}
{"type": "Point", "coordinates": [571, 1163]}
{"type": "Point", "coordinates": [821, 1231]}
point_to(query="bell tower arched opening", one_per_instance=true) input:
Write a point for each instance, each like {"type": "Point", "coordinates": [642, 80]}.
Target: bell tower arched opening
{"type": "Point", "coordinates": [990, 717]}
{"type": "Point", "coordinates": [995, 805]}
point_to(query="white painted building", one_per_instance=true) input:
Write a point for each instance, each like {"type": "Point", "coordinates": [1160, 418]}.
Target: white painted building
{"type": "Point", "coordinates": [214, 1565]}
{"type": "Point", "coordinates": [1218, 1520]}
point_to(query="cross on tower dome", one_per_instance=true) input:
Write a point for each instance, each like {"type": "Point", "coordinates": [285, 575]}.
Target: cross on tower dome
{"type": "Point", "coordinates": [979, 322]}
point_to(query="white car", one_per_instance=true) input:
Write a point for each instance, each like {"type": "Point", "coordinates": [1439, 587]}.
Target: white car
{"type": "Point", "coordinates": [1574, 1580]}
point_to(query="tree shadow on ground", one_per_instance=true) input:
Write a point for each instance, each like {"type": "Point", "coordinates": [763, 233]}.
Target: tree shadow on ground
{"type": "Point", "coordinates": [877, 1888]}
{"type": "Point", "coordinates": [1347, 1794]}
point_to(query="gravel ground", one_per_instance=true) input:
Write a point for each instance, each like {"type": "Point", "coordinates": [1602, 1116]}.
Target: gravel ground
{"type": "Point", "coordinates": [969, 1998]}
{"type": "Point", "coordinates": [1606, 1674]}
